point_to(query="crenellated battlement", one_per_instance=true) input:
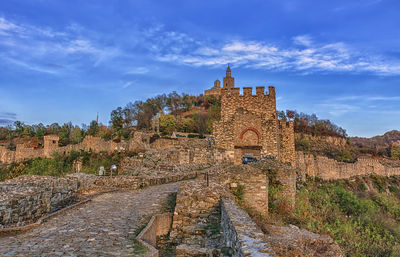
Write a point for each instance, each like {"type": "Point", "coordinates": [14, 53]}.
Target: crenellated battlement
{"type": "Point", "coordinates": [248, 92]}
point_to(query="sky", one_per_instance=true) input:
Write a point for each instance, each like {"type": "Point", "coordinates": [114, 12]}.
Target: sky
{"type": "Point", "coordinates": [68, 60]}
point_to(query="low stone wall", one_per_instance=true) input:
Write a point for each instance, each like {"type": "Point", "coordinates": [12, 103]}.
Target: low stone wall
{"type": "Point", "coordinates": [330, 169]}
{"type": "Point", "coordinates": [197, 204]}
{"type": "Point", "coordinates": [254, 182]}
{"type": "Point", "coordinates": [240, 233]}
{"type": "Point", "coordinates": [159, 225]}
{"type": "Point", "coordinates": [25, 199]}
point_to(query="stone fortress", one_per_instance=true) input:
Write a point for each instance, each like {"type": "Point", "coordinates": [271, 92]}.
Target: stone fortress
{"type": "Point", "coordinates": [204, 200]}
{"type": "Point", "coordinates": [249, 123]}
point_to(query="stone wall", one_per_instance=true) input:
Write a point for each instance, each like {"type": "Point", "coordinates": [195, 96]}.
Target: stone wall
{"type": "Point", "coordinates": [240, 233]}
{"type": "Point", "coordinates": [159, 225]}
{"type": "Point", "coordinates": [26, 199]}
{"type": "Point", "coordinates": [196, 205]}
{"type": "Point", "coordinates": [254, 182]}
{"type": "Point", "coordinates": [287, 148]}
{"type": "Point", "coordinates": [95, 144]}
{"type": "Point", "coordinates": [329, 169]}
{"type": "Point", "coordinates": [336, 141]}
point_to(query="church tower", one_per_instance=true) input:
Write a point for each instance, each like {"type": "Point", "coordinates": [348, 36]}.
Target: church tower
{"type": "Point", "coordinates": [229, 81]}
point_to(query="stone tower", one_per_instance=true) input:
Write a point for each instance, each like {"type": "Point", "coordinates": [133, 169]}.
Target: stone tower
{"type": "Point", "coordinates": [50, 144]}
{"type": "Point", "coordinates": [229, 81]}
{"type": "Point", "coordinates": [249, 124]}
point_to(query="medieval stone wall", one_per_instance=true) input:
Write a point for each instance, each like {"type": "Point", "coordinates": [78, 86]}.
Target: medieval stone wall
{"type": "Point", "coordinates": [240, 233]}
{"type": "Point", "coordinates": [330, 169]}
{"type": "Point", "coordinates": [254, 182]}
{"type": "Point", "coordinates": [89, 143]}
{"type": "Point", "coordinates": [25, 199]}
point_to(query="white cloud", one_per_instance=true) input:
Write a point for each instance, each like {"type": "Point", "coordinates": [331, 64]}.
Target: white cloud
{"type": "Point", "coordinates": [304, 56]}
{"type": "Point", "coordinates": [303, 40]}
{"type": "Point", "coordinates": [138, 70]}
{"type": "Point", "coordinates": [127, 84]}
{"type": "Point", "coordinates": [28, 46]}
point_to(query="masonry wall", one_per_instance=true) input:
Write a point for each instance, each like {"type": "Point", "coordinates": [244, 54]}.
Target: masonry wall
{"type": "Point", "coordinates": [329, 169]}
{"type": "Point", "coordinates": [287, 147]}
{"type": "Point", "coordinates": [240, 233]}
{"type": "Point", "coordinates": [255, 184]}
{"type": "Point", "coordinates": [25, 199]}
{"type": "Point", "coordinates": [94, 144]}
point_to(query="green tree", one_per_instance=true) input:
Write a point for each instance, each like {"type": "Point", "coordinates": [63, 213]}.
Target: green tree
{"type": "Point", "coordinates": [395, 152]}
{"type": "Point", "coordinates": [93, 129]}
{"type": "Point", "coordinates": [189, 125]}
{"type": "Point", "coordinates": [76, 135]}
{"type": "Point", "coordinates": [40, 131]}
{"type": "Point", "coordinates": [168, 123]}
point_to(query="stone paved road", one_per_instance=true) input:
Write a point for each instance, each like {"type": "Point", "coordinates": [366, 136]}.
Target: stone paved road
{"type": "Point", "coordinates": [101, 227]}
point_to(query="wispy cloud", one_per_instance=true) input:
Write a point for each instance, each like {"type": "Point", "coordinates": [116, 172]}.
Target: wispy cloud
{"type": "Point", "coordinates": [304, 55]}
{"type": "Point", "coordinates": [138, 70]}
{"type": "Point", "coordinates": [7, 118]}
{"type": "Point", "coordinates": [30, 46]}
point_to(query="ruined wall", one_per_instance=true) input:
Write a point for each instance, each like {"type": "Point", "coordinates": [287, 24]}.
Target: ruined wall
{"type": "Point", "coordinates": [327, 169]}
{"type": "Point", "coordinates": [254, 182]}
{"type": "Point", "coordinates": [196, 206]}
{"type": "Point", "coordinates": [95, 144]}
{"type": "Point", "coordinates": [25, 199]}
{"type": "Point", "coordinates": [159, 224]}
{"type": "Point", "coordinates": [240, 233]}
{"type": "Point", "coordinates": [287, 148]}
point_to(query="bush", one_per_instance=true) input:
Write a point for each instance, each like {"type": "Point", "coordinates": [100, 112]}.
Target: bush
{"type": "Point", "coordinates": [302, 145]}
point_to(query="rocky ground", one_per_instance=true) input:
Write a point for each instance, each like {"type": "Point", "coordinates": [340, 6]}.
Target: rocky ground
{"type": "Point", "coordinates": [104, 226]}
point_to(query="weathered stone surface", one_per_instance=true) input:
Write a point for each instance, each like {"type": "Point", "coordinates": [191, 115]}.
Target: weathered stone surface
{"type": "Point", "coordinates": [249, 124]}
{"type": "Point", "coordinates": [25, 199]}
{"type": "Point", "coordinates": [102, 227]}
{"type": "Point", "coordinates": [197, 207]}
{"type": "Point", "coordinates": [291, 241]}
{"type": "Point", "coordinates": [240, 233]}
{"type": "Point", "coordinates": [330, 169]}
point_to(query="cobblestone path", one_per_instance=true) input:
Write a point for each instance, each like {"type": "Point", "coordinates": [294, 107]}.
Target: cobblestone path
{"type": "Point", "coordinates": [101, 227]}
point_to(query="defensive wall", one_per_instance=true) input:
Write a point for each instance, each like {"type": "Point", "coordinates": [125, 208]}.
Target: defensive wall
{"type": "Point", "coordinates": [25, 199]}
{"type": "Point", "coordinates": [330, 169]}
{"type": "Point", "coordinates": [50, 147]}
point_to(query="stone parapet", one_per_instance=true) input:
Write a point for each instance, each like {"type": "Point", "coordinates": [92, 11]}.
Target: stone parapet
{"type": "Point", "coordinates": [25, 199]}
{"type": "Point", "coordinates": [240, 233]}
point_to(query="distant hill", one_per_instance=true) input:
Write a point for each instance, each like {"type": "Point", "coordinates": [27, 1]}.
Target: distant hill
{"type": "Point", "coordinates": [377, 144]}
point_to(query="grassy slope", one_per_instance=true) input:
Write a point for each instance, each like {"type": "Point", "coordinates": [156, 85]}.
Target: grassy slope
{"type": "Point", "coordinates": [362, 216]}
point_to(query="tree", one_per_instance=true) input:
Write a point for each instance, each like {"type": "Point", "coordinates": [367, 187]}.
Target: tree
{"type": "Point", "coordinates": [395, 152]}
{"type": "Point", "coordinates": [93, 129]}
{"type": "Point", "coordinates": [290, 114]}
{"type": "Point", "coordinates": [117, 119]}
{"type": "Point", "coordinates": [19, 128]}
{"type": "Point", "coordinates": [40, 131]}
{"type": "Point", "coordinates": [76, 135]}
{"type": "Point", "coordinates": [168, 124]}
{"type": "Point", "coordinates": [189, 125]}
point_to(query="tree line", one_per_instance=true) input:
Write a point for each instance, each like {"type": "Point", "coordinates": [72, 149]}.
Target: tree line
{"type": "Point", "coordinates": [311, 124]}
{"type": "Point", "coordinates": [174, 112]}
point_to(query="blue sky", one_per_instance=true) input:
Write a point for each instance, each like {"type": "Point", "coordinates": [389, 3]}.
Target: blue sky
{"type": "Point", "coordinates": [66, 60]}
